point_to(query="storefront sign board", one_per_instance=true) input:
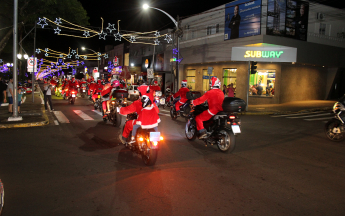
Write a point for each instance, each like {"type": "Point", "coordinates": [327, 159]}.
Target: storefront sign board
{"type": "Point", "coordinates": [264, 54]}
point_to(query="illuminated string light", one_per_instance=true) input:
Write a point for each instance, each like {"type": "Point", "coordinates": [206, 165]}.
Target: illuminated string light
{"type": "Point", "coordinates": [168, 38]}
{"type": "Point", "coordinates": [86, 34]}
{"type": "Point", "coordinates": [42, 22]}
{"type": "Point", "coordinates": [102, 35]}
{"type": "Point", "coordinates": [156, 41]}
{"type": "Point", "coordinates": [111, 27]}
{"type": "Point", "coordinates": [57, 30]}
{"type": "Point", "coordinates": [117, 36]}
{"type": "Point", "coordinates": [58, 21]}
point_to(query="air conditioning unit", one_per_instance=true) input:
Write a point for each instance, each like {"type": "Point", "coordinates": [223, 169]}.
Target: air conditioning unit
{"type": "Point", "coordinates": [320, 16]}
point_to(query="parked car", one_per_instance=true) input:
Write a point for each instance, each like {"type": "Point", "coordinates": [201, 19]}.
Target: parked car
{"type": "Point", "coordinates": [133, 92]}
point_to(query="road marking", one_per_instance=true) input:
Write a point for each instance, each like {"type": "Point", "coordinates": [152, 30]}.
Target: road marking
{"type": "Point", "coordinates": [61, 117]}
{"type": "Point", "coordinates": [330, 117]}
{"type": "Point", "coordinates": [98, 112]}
{"type": "Point", "coordinates": [56, 122]}
{"type": "Point", "coordinates": [165, 111]}
{"type": "Point", "coordinates": [308, 116]}
{"type": "Point", "coordinates": [163, 114]}
{"type": "Point", "coordinates": [82, 115]}
{"type": "Point", "coordinates": [297, 114]}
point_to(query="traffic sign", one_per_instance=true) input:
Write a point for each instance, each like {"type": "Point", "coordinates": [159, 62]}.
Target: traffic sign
{"type": "Point", "coordinates": [32, 64]}
{"type": "Point", "coordinates": [209, 70]}
{"type": "Point", "coordinates": [150, 73]}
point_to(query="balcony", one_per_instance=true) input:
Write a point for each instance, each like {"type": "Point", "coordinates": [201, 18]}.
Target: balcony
{"type": "Point", "coordinates": [326, 40]}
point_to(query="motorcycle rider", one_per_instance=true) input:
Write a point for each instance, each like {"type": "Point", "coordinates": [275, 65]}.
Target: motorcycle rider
{"type": "Point", "coordinates": [182, 93]}
{"type": "Point", "coordinates": [107, 93]}
{"type": "Point", "coordinates": [146, 110]}
{"type": "Point", "coordinates": [98, 88]}
{"type": "Point", "coordinates": [214, 97]}
{"type": "Point", "coordinates": [167, 94]}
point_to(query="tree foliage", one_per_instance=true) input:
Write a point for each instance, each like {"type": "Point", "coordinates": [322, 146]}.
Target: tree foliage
{"type": "Point", "coordinates": [30, 10]}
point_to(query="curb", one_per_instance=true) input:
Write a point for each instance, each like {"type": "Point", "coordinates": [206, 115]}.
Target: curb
{"type": "Point", "coordinates": [31, 124]}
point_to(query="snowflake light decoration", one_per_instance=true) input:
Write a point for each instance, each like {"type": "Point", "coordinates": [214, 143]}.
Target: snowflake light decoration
{"type": "Point", "coordinates": [82, 63]}
{"type": "Point", "coordinates": [102, 35]}
{"type": "Point", "coordinates": [86, 34]}
{"type": "Point", "coordinates": [57, 30]}
{"type": "Point", "coordinates": [156, 41]}
{"type": "Point", "coordinates": [111, 27]}
{"type": "Point", "coordinates": [168, 38]}
{"type": "Point", "coordinates": [157, 34]}
{"type": "Point", "coordinates": [58, 21]}
{"type": "Point", "coordinates": [60, 60]}
{"type": "Point", "coordinates": [42, 22]}
{"type": "Point", "coordinates": [132, 39]}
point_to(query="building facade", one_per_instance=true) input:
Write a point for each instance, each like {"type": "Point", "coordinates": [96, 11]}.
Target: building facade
{"type": "Point", "coordinates": [213, 39]}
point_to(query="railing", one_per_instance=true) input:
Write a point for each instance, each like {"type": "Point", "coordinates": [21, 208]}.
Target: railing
{"type": "Point", "coordinates": [326, 40]}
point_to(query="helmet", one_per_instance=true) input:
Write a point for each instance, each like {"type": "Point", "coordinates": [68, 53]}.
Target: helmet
{"type": "Point", "coordinates": [167, 90]}
{"type": "Point", "coordinates": [145, 100]}
{"type": "Point", "coordinates": [143, 90]}
{"type": "Point", "coordinates": [115, 83]}
{"type": "Point", "coordinates": [184, 83]}
{"type": "Point", "coordinates": [215, 82]}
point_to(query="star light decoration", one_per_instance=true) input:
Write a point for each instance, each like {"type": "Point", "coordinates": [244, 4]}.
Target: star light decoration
{"type": "Point", "coordinates": [111, 27]}
{"type": "Point", "coordinates": [157, 34]}
{"type": "Point", "coordinates": [86, 34]}
{"type": "Point", "coordinates": [168, 38]}
{"type": "Point", "coordinates": [132, 39]}
{"type": "Point", "coordinates": [46, 49]}
{"type": "Point", "coordinates": [61, 56]}
{"type": "Point", "coordinates": [156, 41]}
{"type": "Point", "coordinates": [57, 30]}
{"type": "Point", "coordinates": [69, 56]}
{"type": "Point", "coordinates": [0, 60]}
{"type": "Point", "coordinates": [42, 22]}
{"type": "Point", "coordinates": [85, 57]}
{"type": "Point", "coordinates": [102, 35]}
{"type": "Point", "coordinates": [106, 56]}
{"type": "Point", "coordinates": [99, 58]}
{"type": "Point", "coordinates": [46, 54]}
{"type": "Point", "coordinates": [77, 56]}
{"type": "Point", "coordinates": [117, 36]}
{"type": "Point", "coordinates": [58, 21]}
{"type": "Point", "coordinates": [73, 52]}
{"type": "Point", "coordinates": [99, 54]}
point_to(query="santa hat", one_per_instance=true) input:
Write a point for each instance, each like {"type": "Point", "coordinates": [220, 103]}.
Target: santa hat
{"type": "Point", "coordinates": [184, 82]}
{"type": "Point", "coordinates": [145, 90]}
{"type": "Point", "coordinates": [215, 82]}
{"type": "Point", "coordinates": [155, 82]}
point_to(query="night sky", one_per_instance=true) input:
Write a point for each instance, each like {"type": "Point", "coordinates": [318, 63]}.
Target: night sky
{"type": "Point", "coordinates": [133, 18]}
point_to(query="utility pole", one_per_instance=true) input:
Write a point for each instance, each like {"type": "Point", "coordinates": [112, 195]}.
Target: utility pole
{"type": "Point", "coordinates": [178, 52]}
{"type": "Point", "coordinates": [248, 86]}
{"type": "Point", "coordinates": [15, 116]}
{"type": "Point", "coordinates": [33, 69]}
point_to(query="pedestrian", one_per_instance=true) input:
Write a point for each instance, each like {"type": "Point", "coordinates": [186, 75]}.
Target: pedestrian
{"type": "Point", "coordinates": [231, 90]}
{"type": "Point", "coordinates": [3, 87]}
{"type": "Point", "coordinates": [259, 89]}
{"type": "Point", "coordinates": [20, 99]}
{"type": "Point", "coordinates": [10, 94]}
{"type": "Point", "coordinates": [224, 89]}
{"type": "Point", "coordinates": [48, 95]}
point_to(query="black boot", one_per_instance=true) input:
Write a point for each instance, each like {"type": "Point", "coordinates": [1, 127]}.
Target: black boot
{"type": "Point", "coordinates": [202, 134]}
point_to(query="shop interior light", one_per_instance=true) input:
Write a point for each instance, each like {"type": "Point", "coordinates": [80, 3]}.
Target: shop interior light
{"type": "Point", "coordinates": [132, 65]}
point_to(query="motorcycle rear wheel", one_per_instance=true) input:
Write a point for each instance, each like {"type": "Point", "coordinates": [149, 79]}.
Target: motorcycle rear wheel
{"type": "Point", "coordinates": [151, 158]}
{"type": "Point", "coordinates": [227, 142]}
{"type": "Point", "coordinates": [116, 119]}
{"type": "Point", "coordinates": [173, 114]}
{"type": "Point", "coordinates": [190, 131]}
{"type": "Point", "coordinates": [330, 126]}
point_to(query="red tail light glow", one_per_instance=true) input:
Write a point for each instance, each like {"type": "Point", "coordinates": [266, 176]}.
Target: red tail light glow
{"type": "Point", "coordinates": [155, 143]}
{"type": "Point", "coordinates": [232, 117]}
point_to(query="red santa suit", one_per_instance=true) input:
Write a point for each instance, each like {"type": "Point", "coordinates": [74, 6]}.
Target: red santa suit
{"type": "Point", "coordinates": [98, 88]}
{"type": "Point", "coordinates": [182, 93]}
{"type": "Point", "coordinates": [214, 99]}
{"type": "Point", "coordinates": [147, 117]}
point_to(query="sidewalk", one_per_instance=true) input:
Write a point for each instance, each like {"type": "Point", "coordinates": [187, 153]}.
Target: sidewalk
{"type": "Point", "coordinates": [33, 114]}
{"type": "Point", "coordinates": [291, 107]}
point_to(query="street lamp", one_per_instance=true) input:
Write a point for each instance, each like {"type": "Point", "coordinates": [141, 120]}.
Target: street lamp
{"type": "Point", "coordinates": [145, 7]}
{"type": "Point", "coordinates": [19, 56]}
{"type": "Point", "coordinates": [83, 48]}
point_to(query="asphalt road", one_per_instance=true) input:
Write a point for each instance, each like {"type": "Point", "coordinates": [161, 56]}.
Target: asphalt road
{"type": "Point", "coordinates": [280, 166]}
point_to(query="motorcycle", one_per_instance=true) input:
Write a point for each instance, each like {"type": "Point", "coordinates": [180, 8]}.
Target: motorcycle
{"type": "Point", "coordinates": [184, 109]}
{"type": "Point", "coordinates": [221, 128]}
{"type": "Point", "coordinates": [335, 128]}
{"type": "Point", "coordinates": [2, 196]}
{"type": "Point", "coordinates": [168, 102]}
{"type": "Point", "coordinates": [119, 99]}
{"type": "Point", "coordinates": [98, 103]}
{"type": "Point", "coordinates": [146, 142]}
{"type": "Point", "coordinates": [72, 95]}
{"type": "Point", "coordinates": [83, 90]}
{"type": "Point", "coordinates": [158, 99]}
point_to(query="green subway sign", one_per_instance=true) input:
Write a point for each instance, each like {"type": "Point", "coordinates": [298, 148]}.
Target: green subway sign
{"type": "Point", "coordinates": [263, 54]}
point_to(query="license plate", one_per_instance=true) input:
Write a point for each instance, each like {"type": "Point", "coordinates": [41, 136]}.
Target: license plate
{"type": "Point", "coordinates": [83, 90]}
{"type": "Point", "coordinates": [73, 95]}
{"type": "Point", "coordinates": [155, 136]}
{"type": "Point", "coordinates": [99, 96]}
{"type": "Point", "coordinates": [236, 129]}
{"type": "Point", "coordinates": [162, 101]}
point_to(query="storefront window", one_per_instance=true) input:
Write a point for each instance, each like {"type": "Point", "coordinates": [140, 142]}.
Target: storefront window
{"type": "Point", "coordinates": [191, 79]}
{"type": "Point", "coordinates": [262, 83]}
{"type": "Point", "coordinates": [206, 80]}
{"type": "Point", "coordinates": [229, 77]}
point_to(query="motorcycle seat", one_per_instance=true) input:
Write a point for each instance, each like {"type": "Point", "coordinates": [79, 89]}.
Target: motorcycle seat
{"type": "Point", "coordinates": [222, 113]}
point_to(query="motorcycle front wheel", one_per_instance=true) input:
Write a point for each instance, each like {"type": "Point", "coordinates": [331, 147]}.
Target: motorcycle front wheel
{"type": "Point", "coordinates": [227, 141]}
{"type": "Point", "coordinates": [151, 158]}
{"type": "Point", "coordinates": [333, 131]}
{"type": "Point", "coordinates": [72, 100]}
{"type": "Point", "coordinates": [116, 119]}
{"type": "Point", "coordinates": [190, 131]}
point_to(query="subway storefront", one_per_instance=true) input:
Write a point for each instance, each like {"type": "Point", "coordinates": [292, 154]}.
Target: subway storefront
{"type": "Point", "coordinates": [277, 79]}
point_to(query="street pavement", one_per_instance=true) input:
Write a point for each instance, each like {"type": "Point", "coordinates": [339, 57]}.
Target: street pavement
{"type": "Point", "coordinates": [75, 165]}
